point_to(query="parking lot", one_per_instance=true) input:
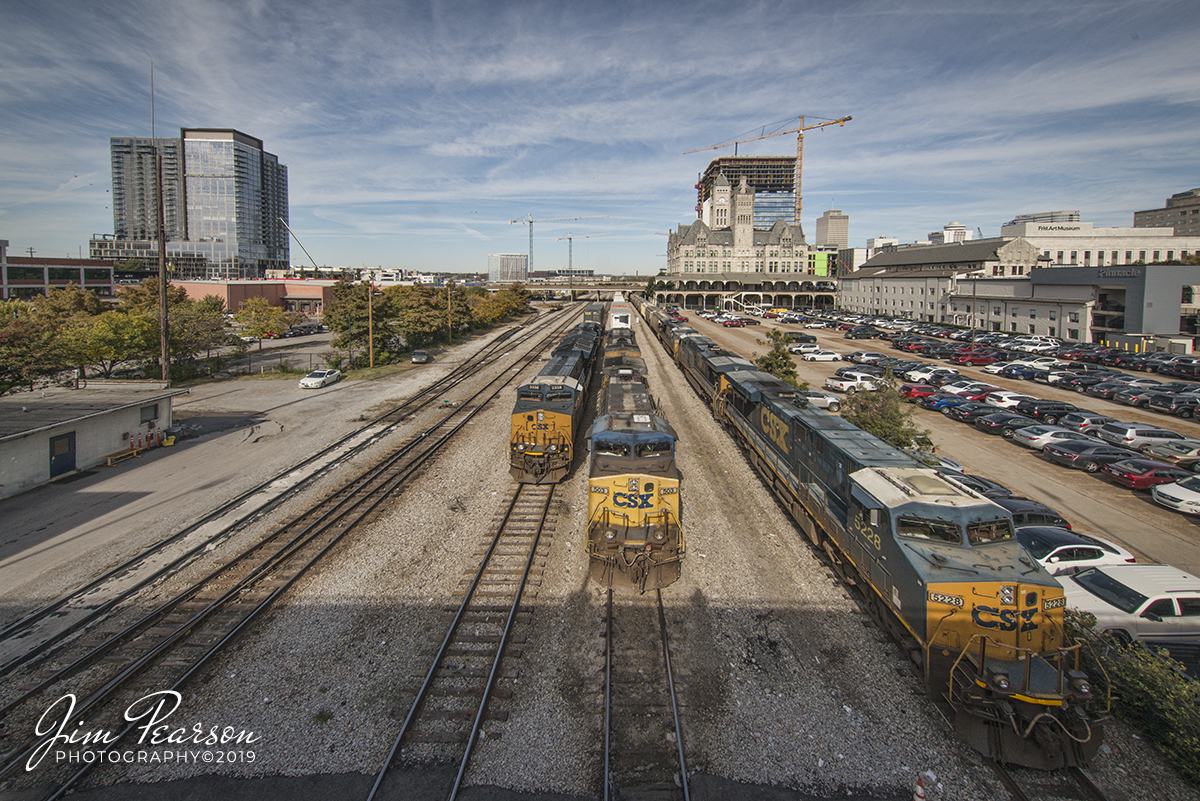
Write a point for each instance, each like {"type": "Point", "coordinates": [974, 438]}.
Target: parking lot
{"type": "Point", "coordinates": [1092, 503]}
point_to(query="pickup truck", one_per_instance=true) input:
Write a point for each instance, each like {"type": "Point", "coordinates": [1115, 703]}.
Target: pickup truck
{"type": "Point", "coordinates": [852, 382]}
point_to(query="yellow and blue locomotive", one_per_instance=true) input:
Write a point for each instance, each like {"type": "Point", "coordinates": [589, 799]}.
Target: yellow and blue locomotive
{"type": "Point", "coordinates": [634, 533]}
{"type": "Point", "coordinates": [938, 565]}
{"type": "Point", "coordinates": [549, 409]}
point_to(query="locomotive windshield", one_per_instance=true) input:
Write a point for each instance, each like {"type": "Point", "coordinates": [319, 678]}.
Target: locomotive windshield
{"type": "Point", "coordinates": [558, 395]}
{"type": "Point", "coordinates": [922, 529]}
{"type": "Point", "coordinates": [989, 531]}
{"type": "Point", "coordinates": [657, 448]}
{"type": "Point", "coordinates": [610, 447]}
{"type": "Point", "coordinates": [979, 532]}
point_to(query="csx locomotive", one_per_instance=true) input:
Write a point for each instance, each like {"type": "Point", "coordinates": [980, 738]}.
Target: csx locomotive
{"type": "Point", "coordinates": [549, 409]}
{"type": "Point", "coordinates": [937, 563]}
{"type": "Point", "coordinates": [635, 538]}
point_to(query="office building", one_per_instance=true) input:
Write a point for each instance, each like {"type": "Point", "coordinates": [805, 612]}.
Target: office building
{"type": "Point", "coordinates": [833, 228]}
{"type": "Point", "coordinates": [1181, 214]}
{"type": "Point", "coordinates": [508, 268]}
{"type": "Point", "coordinates": [225, 203]}
{"type": "Point", "coordinates": [772, 178]}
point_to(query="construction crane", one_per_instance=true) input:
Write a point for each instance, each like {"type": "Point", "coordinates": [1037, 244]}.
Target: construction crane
{"type": "Point", "coordinates": [530, 221]}
{"type": "Point", "coordinates": [799, 131]}
{"type": "Point", "coordinates": [570, 257]}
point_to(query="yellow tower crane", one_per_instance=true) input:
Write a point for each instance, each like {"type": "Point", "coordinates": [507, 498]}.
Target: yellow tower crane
{"type": "Point", "coordinates": [799, 131]}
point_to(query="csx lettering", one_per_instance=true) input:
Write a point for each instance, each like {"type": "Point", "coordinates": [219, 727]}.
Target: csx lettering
{"type": "Point", "coordinates": [631, 500]}
{"type": "Point", "coordinates": [540, 426]}
{"type": "Point", "coordinates": [774, 428]}
{"type": "Point", "coordinates": [1003, 619]}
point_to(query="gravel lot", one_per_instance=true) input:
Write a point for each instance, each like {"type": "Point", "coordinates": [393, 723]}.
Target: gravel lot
{"type": "Point", "coordinates": [788, 689]}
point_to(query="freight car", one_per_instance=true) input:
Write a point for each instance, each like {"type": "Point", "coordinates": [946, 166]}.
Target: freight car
{"type": "Point", "coordinates": [550, 408]}
{"type": "Point", "coordinates": [634, 533]}
{"type": "Point", "coordinates": [937, 563]}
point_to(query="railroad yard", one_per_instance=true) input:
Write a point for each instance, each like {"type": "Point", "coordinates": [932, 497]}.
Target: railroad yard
{"type": "Point", "coordinates": [786, 688]}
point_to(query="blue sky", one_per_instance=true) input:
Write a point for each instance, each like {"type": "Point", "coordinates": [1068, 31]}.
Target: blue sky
{"type": "Point", "coordinates": [413, 132]}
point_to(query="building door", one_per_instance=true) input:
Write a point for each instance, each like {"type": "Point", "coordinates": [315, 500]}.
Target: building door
{"type": "Point", "coordinates": [62, 454]}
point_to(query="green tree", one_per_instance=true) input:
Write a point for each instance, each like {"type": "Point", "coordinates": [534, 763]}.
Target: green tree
{"type": "Point", "coordinates": [144, 297]}
{"type": "Point", "coordinates": [109, 340]}
{"type": "Point", "coordinates": [27, 349]}
{"type": "Point", "coordinates": [884, 413]}
{"type": "Point", "coordinates": [197, 327]}
{"type": "Point", "coordinates": [420, 314]}
{"type": "Point", "coordinates": [59, 305]}
{"type": "Point", "coordinates": [260, 319]}
{"type": "Point", "coordinates": [777, 361]}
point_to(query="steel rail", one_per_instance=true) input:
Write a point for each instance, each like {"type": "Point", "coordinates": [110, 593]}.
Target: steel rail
{"type": "Point", "coordinates": [409, 406]}
{"type": "Point", "coordinates": [375, 498]}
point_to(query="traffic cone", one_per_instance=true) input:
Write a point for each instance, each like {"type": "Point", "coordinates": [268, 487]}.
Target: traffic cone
{"type": "Point", "coordinates": [919, 793]}
{"type": "Point", "coordinates": [132, 444]}
{"type": "Point", "coordinates": [139, 445]}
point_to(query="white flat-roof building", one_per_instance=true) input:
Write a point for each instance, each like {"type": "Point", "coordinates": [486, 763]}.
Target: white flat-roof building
{"type": "Point", "coordinates": [1081, 244]}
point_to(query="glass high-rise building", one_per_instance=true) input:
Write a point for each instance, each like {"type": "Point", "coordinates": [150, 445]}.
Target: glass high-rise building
{"type": "Point", "coordinates": [225, 201]}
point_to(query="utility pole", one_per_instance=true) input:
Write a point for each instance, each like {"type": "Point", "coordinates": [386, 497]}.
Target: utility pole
{"type": "Point", "coordinates": [164, 331]}
{"type": "Point", "coordinates": [370, 321]}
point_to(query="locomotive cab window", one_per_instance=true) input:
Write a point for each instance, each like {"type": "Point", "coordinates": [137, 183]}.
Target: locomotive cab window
{"type": "Point", "coordinates": [989, 531]}
{"type": "Point", "coordinates": [529, 393]}
{"type": "Point", "coordinates": [558, 395]}
{"type": "Point", "coordinates": [936, 530]}
{"type": "Point", "coordinates": [609, 448]}
{"type": "Point", "coordinates": [661, 448]}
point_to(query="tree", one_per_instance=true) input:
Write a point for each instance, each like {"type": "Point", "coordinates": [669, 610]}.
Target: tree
{"type": "Point", "coordinates": [777, 361]}
{"type": "Point", "coordinates": [26, 349]}
{"type": "Point", "coordinates": [196, 327]}
{"type": "Point", "coordinates": [109, 340]}
{"type": "Point", "coordinates": [144, 297]}
{"type": "Point", "coordinates": [260, 319]}
{"type": "Point", "coordinates": [885, 414]}
{"type": "Point", "coordinates": [60, 305]}
{"type": "Point", "coordinates": [419, 316]}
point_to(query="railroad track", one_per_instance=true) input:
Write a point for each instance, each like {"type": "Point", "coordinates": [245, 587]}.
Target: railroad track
{"type": "Point", "coordinates": [166, 647]}
{"type": "Point", "coordinates": [1024, 784]}
{"type": "Point", "coordinates": [446, 716]}
{"type": "Point", "coordinates": [38, 633]}
{"type": "Point", "coordinates": [643, 741]}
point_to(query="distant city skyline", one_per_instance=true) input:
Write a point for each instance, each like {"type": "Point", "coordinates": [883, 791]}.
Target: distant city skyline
{"type": "Point", "coordinates": [413, 134]}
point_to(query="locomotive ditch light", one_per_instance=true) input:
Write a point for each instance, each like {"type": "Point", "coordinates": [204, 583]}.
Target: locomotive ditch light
{"type": "Point", "coordinates": [610, 534]}
{"type": "Point", "coordinates": [1080, 683]}
{"type": "Point", "coordinates": [554, 449]}
{"type": "Point", "coordinates": [1008, 595]}
{"type": "Point", "coordinates": [1000, 681]}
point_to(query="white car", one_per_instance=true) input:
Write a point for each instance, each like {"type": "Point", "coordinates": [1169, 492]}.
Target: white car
{"type": "Point", "coordinates": [1039, 436]}
{"type": "Point", "coordinates": [994, 368]}
{"type": "Point", "coordinates": [1182, 496]}
{"type": "Point", "coordinates": [320, 378]}
{"type": "Point", "coordinates": [1151, 603]}
{"type": "Point", "coordinates": [804, 347]}
{"type": "Point", "coordinates": [822, 400]}
{"type": "Point", "coordinates": [1062, 551]}
{"type": "Point", "coordinates": [852, 382]}
{"type": "Point", "coordinates": [822, 356]}
{"type": "Point", "coordinates": [816, 324]}
{"type": "Point", "coordinates": [1006, 399]}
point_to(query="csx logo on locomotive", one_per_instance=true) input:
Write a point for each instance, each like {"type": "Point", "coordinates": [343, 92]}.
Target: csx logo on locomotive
{"type": "Point", "coordinates": [631, 500]}
{"type": "Point", "coordinates": [774, 428]}
{"type": "Point", "coordinates": [1003, 619]}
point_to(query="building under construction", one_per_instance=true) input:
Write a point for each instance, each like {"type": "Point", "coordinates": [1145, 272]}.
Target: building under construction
{"type": "Point", "coordinates": [771, 177]}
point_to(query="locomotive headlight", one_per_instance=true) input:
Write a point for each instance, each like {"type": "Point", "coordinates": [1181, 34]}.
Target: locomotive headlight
{"type": "Point", "coordinates": [1008, 595]}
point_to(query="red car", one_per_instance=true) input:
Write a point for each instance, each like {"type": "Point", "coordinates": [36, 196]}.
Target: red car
{"type": "Point", "coordinates": [734, 323]}
{"type": "Point", "coordinates": [980, 393]}
{"type": "Point", "coordinates": [976, 359]}
{"type": "Point", "coordinates": [914, 392]}
{"type": "Point", "coordinates": [1142, 474]}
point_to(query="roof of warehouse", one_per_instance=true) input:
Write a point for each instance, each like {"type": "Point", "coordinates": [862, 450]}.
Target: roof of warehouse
{"type": "Point", "coordinates": [23, 413]}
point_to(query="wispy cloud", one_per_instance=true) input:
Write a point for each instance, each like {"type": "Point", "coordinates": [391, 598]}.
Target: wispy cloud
{"type": "Point", "coordinates": [413, 131]}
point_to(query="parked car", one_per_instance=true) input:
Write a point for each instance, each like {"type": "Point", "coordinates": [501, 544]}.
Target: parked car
{"type": "Point", "coordinates": [1006, 399]}
{"type": "Point", "coordinates": [821, 356]}
{"type": "Point", "coordinates": [1142, 474]}
{"type": "Point", "coordinates": [1138, 436]}
{"type": "Point", "coordinates": [1182, 496]}
{"type": "Point", "coordinates": [984, 486]}
{"type": "Point", "coordinates": [804, 347]}
{"type": "Point", "coordinates": [1031, 513]}
{"type": "Point", "coordinates": [1184, 406]}
{"type": "Point", "coordinates": [1185, 454]}
{"type": "Point", "coordinates": [420, 357]}
{"type": "Point", "coordinates": [864, 357]}
{"type": "Point", "coordinates": [914, 392]}
{"type": "Point", "coordinates": [1006, 424]}
{"type": "Point", "coordinates": [852, 382]}
{"type": "Point", "coordinates": [822, 400]}
{"type": "Point", "coordinates": [1089, 456]}
{"type": "Point", "coordinates": [1045, 411]}
{"type": "Point", "coordinates": [1083, 421]}
{"type": "Point", "coordinates": [1039, 436]}
{"type": "Point", "coordinates": [1138, 602]}
{"type": "Point", "coordinates": [1063, 552]}
{"type": "Point", "coordinates": [320, 378]}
